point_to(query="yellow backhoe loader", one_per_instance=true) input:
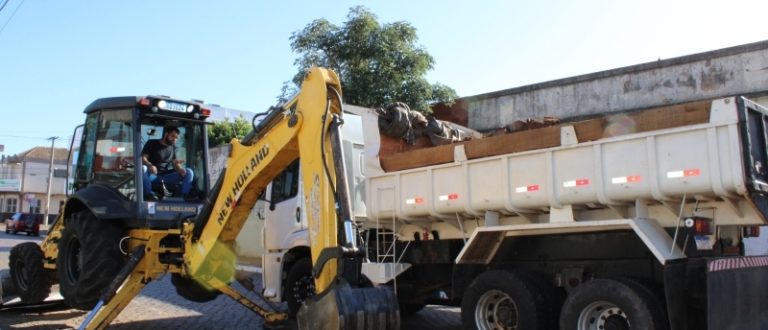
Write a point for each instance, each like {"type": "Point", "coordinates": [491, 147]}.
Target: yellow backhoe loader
{"type": "Point", "coordinates": [112, 239]}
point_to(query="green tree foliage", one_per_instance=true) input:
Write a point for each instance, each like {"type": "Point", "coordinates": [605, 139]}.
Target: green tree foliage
{"type": "Point", "coordinates": [222, 132]}
{"type": "Point", "coordinates": [377, 64]}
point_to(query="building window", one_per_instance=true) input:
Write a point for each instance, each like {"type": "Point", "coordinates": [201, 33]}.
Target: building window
{"type": "Point", "coordinates": [10, 204]}
{"type": "Point", "coordinates": [34, 206]}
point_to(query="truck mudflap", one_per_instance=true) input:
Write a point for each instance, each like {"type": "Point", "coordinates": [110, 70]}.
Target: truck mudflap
{"type": "Point", "coordinates": [717, 293]}
{"type": "Point", "coordinates": [737, 293]}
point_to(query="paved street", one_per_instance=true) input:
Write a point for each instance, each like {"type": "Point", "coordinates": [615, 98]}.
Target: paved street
{"type": "Point", "coordinates": [159, 307]}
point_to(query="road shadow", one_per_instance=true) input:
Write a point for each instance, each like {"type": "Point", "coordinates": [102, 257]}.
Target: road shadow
{"type": "Point", "coordinates": [50, 315]}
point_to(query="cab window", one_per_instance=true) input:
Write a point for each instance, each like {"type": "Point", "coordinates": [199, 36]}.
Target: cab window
{"type": "Point", "coordinates": [286, 184]}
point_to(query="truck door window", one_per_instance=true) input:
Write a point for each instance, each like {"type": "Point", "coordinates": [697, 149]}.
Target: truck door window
{"type": "Point", "coordinates": [286, 184]}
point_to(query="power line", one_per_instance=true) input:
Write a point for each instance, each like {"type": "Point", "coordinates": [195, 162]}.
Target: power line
{"type": "Point", "coordinates": [10, 18]}
{"type": "Point", "coordinates": [3, 6]}
{"type": "Point", "coordinates": [24, 137]}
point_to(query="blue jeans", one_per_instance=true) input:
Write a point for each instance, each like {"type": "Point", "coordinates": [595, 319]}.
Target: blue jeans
{"type": "Point", "coordinates": [170, 178]}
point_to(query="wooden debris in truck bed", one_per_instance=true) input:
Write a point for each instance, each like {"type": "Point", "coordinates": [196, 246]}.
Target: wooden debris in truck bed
{"type": "Point", "coordinates": [396, 155]}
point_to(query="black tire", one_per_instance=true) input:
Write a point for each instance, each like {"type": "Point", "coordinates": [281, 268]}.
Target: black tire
{"type": "Point", "coordinates": [654, 297]}
{"type": "Point", "coordinates": [299, 285]}
{"type": "Point", "coordinates": [505, 300]}
{"type": "Point", "coordinates": [32, 281]}
{"type": "Point", "coordinates": [94, 244]}
{"type": "Point", "coordinates": [410, 309]}
{"type": "Point", "coordinates": [612, 304]}
{"type": "Point", "coordinates": [192, 290]}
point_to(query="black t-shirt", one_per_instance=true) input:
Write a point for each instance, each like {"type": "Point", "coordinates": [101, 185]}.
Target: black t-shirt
{"type": "Point", "coordinates": [159, 155]}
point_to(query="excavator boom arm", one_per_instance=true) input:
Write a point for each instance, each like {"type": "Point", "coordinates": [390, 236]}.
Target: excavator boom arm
{"type": "Point", "coordinates": [299, 130]}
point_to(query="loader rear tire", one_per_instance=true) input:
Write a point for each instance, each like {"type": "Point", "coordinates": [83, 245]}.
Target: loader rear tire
{"type": "Point", "coordinates": [89, 258]}
{"type": "Point", "coordinates": [33, 283]}
{"type": "Point", "coordinates": [192, 290]}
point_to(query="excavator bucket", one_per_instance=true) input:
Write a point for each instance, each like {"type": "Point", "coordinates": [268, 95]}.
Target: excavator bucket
{"type": "Point", "coordinates": [345, 307]}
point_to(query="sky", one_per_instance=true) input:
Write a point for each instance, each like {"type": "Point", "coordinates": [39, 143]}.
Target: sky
{"type": "Point", "coordinates": [58, 56]}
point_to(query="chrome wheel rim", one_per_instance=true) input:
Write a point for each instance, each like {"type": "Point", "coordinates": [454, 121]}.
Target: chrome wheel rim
{"type": "Point", "coordinates": [496, 310]}
{"type": "Point", "coordinates": [603, 315]}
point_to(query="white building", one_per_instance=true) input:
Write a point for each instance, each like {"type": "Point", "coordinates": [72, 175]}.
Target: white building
{"type": "Point", "coordinates": [24, 181]}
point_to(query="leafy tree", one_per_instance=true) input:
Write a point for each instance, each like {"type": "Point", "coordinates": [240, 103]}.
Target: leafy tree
{"type": "Point", "coordinates": [377, 64]}
{"type": "Point", "coordinates": [222, 132]}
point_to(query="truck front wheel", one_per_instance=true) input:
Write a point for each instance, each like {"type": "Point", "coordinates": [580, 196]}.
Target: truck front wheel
{"type": "Point", "coordinates": [299, 285]}
{"type": "Point", "coordinates": [505, 300]}
{"type": "Point", "coordinates": [89, 258]}
{"type": "Point", "coordinates": [611, 305]}
{"type": "Point", "coordinates": [31, 280]}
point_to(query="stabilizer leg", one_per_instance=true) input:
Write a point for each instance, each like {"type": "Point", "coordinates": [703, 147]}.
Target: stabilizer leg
{"type": "Point", "coordinates": [271, 316]}
{"type": "Point", "coordinates": [112, 301]}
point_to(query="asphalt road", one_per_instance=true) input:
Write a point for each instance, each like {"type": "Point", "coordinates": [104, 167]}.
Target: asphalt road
{"type": "Point", "coordinates": [159, 307]}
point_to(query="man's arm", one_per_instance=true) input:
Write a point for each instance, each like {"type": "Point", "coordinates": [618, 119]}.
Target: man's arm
{"type": "Point", "coordinates": [177, 166]}
{"type": "Point", "coordinates": [149, 147]}
{"type": "Point", "coordinates": [151, 168]}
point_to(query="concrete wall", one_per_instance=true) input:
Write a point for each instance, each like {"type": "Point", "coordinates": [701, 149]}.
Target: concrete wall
{"type": "Point", "coordinates": [249, 243]}
{"type": "Point", "coordinates": [740, 70]}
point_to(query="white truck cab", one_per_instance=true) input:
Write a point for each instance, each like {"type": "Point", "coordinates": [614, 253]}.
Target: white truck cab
{"type": "Point", "coordinates": [286, 264]}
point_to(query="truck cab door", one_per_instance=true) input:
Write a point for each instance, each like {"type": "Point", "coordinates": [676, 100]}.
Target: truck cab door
{"type": "Point", "coordinates": [283, 215]}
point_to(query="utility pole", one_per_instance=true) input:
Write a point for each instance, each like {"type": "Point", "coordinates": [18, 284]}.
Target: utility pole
{"type": "Point", "coordinates": [50, 181]}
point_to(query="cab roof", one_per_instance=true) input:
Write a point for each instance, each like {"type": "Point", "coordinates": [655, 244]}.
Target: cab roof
{"type": "Point", "coordinates": [128, 101]}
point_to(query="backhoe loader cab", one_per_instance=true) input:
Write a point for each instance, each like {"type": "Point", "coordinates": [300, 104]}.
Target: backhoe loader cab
{"type": "Point", "coordinates": [107, 197]}
{"type": "Point", "coordinates": [107, 177]}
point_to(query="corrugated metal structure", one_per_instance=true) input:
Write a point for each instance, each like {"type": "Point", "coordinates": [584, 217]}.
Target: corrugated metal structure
{"type": "Point", "coordinates": [740, 70]}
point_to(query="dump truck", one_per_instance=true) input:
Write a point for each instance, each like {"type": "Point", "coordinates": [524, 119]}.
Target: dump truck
{"type": "Point", "coordinates": [635, 219]}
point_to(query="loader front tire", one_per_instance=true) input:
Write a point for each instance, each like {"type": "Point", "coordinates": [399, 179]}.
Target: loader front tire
{"type": "Point", "coordinates": [33, 283]}
{"type": "Point", "coordinates": [89, 258]}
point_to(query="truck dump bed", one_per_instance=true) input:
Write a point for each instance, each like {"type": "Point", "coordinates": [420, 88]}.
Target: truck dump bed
{"type": "Point", "coordinates": [721, 159]}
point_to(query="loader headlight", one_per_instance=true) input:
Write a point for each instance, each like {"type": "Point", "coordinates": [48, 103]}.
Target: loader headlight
{"type": "Point", "coordinates": [175, 106]}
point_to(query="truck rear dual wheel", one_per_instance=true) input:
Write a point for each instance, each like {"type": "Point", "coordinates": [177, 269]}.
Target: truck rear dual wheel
{"type": "Point", "coordinates": [612, 304]}
{"type": "Point", "coordinates": [89, 258]}
{"type": "Point", "coordinates": [32, 281]}
{"type": "Point", "coordinates": [501, 299]}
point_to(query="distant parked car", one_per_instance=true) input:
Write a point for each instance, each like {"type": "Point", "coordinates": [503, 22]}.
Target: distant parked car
{"type": "Point", "coordinates": [19, 222]}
